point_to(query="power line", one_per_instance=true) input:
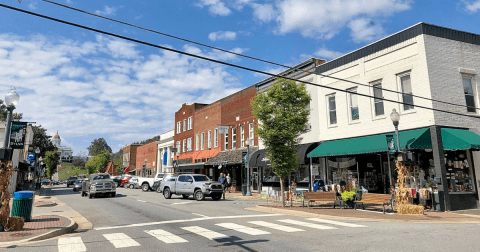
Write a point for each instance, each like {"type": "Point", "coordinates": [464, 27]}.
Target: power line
{"type": "Point", "coordinates": [249, 57]}
{"type": "Point", "coordinates": [221, 62]}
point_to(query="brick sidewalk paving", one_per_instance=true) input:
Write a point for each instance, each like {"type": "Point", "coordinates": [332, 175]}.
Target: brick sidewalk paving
{"type": "Point", "coordinates": [39, 225]}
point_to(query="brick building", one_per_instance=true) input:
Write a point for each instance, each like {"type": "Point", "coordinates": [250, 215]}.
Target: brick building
{"type": "Point", "coordinates": [130, 158]}
{"type": "Point", "coordinates": [111, 169]}
{"type": "Point", "coordinates": [146, 160]}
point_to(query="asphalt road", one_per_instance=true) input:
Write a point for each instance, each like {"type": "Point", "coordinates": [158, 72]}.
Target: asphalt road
{"type": "Point", "coordinates": [145, 221]}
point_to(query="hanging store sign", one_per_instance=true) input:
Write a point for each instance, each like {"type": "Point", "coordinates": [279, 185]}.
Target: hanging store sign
{"type": "Point", "coordinates": [17, 135]}
{"type": "Point", "coordinates": [223, 129]}
{"type": "Point", "coordinates": [244, 157]}
{"type": "Point", "coordinates": [390, 143]}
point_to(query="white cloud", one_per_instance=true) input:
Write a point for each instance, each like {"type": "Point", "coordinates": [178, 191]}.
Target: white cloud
{"type": "Point", "coordinates": [324, 53]}
{"type": "Point", "coordinates": [107, 11]}
{"type": "Point", "coordinates": [222, 35]}
{"type": "Point", "coordinates": [216, 7]}
{"type": "Point", "coordinates": [472, 7]}
{"type": "Point", "coordinates": [105, 87]}
{"type": "Point", "coordinates": [364, 30]}
{"type": "Point", "coordinates": [263, 12]}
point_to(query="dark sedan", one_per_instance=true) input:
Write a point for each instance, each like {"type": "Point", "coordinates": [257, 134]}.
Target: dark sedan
{"type": "Point", "coordinates": [156, 186]}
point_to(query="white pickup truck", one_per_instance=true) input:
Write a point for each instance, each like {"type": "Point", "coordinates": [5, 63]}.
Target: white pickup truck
{"type": "Point", "coordinates": [198, 185]}
{"type": "Point", "coordinates": [147, 183]}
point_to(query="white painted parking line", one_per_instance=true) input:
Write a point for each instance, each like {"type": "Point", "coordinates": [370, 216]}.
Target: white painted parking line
{"type": "Point", "coordinates": [165, 236]}
{"type": "Point", "coordinates": [188, 220]}
{"type": "Point", "coordinates": [242, 229]}
{"type": "Point", "coordinates": [205, 232]}
{"type": "Point", "coordinates": [121, 240]}
{"type": "Point", "coordinates": [276, 226]}
{"type": "Point", "coordinates": [72, 244]}
{"type": "Point", "coordinates": [338, 223]}
{"type": "Point", "coordinates": [306, 224]}
{"type": "Point", "coordinates": [181, 203]}
{"type": "Point", "coordinates": [142, 201]}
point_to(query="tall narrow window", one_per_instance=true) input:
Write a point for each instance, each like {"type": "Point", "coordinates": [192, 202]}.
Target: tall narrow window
{"type": "Point", "coordinates": [377, 100]}
{"type": "Point", "coordinates": [251, 135]}
{"type": "Point", "coordinates": [179, 127]}
{"type": "Point", "coordinates": [197, 142]}
{"type": "Point", "coordinates": [242, 136]}
{"type": "Point", "coordinates": [469, 94]}
{"type": "Point", "coordinates": [190, 123]}
{"type": "Point", "coordinates": [184, 124]}
{"type": "Point", "coordinates": [353, 100]}
{"type": "Point", "coordinates": [179, 148]}
{"type": "Point", "coordinates": [184, 145]}
{"type": "Point", "coordinates": [234, 138]}
{"type": "Point", "coordinates": [209, 143]}
{"type": "Point", "coordinates": [226, 140]}
{"type": "Point", "coordinates": [189, 144]}
{"type": "Point", "coordinates": [332, 109]}
{"type": "Point", "coordinates": [202, 140]}
{"type": "Point", "coordinates": [215, 138]}
{"type": "Point", "coordinates": [407, 95]}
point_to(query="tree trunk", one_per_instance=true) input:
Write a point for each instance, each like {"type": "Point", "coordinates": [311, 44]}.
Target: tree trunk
{"type": "Point", "coordinates": [282, 187]}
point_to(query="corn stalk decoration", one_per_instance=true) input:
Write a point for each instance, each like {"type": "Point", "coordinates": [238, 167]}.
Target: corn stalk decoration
{"type": "Point", "coordinates": [401, 195]}
{"type": "Point", "coordinates": [6, 171]}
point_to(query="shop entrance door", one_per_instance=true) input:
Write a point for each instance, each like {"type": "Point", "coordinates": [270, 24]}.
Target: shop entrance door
{"type": "Point", "coordinates": [255, 178]}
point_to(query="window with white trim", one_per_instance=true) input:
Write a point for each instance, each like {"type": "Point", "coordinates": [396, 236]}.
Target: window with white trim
{"type": "Point", "coordinates": [251, 134]}
{"type": "Point", "coordinates": [377, 99]}
{"type": "Point", "coordinates": [189, 144]}
{"type": "Point", "coordinates": [468, 90]}
{"type": "Point", "coordinates": [226, 140]}
{"type": "Point", "coordinates": [407, 93]}
{"type": "Point", "coordinates": [179, 127]}
{"type": "Point", "coordinates": [215, 137]}
{"type": "Point", "coordinates": [202, 141]}
{"type": "Point", "coordinates": [242, 136]}
{"type": "Point", "coordinates": [353, 104]}
{"type": "Point", "coordinates": [234, 137]}
{"type": "Point", "coordinates": [179, 148]}
{"type": "Point", "coordinates": [332, 109]}
{"type": "Point", "coordinates": [184, 125]}
{"type": "Point", "coordinates": [197, 142]}
{"type": "Point", "coordinates": [184, 145]}
{"type": "Point", "coordinates": [190, 119]}
{"type": "Point", "coordinates": [209, 143]}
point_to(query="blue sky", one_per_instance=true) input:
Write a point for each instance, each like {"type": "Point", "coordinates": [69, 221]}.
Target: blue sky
{"type": "Point", "coordinates": [87, 85]}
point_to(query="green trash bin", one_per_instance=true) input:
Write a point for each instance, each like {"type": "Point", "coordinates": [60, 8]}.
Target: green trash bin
{"type": "Point", "coordinates": [22, 205]}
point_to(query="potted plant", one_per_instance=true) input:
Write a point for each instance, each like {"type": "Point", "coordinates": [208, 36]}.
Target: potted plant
{"type": "Point", "coordinates": [348, 197]}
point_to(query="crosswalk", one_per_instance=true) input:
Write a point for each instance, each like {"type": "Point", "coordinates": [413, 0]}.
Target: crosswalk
{"type": "Point", "coordinates": [251, 228]}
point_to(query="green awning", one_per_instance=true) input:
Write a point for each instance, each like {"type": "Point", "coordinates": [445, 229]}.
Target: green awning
{"type": "Point", "coordinates": [459, 139]}
{"type": "Point", "coordinates": [409, 139]}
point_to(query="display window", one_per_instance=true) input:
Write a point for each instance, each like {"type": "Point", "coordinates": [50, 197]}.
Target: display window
{"type": "Point", "coordinates": [459, 171]}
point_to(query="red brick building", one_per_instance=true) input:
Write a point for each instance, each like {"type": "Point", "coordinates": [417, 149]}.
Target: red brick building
{"type": "Point", "coordinates": [111, 169]}
{"type": "Point", "coordinates": [130, 157]}
{"type": "Point", "coordinates": [146, 156]}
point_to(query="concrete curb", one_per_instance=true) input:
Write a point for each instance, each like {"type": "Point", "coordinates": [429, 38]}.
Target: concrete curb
{"type": "Point", "coordinates": [322, 216]}
{"type": "Point", "coordinates": [72, 226]}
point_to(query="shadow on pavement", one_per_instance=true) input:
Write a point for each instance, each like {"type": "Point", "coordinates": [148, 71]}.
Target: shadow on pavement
{"type": "Point", "coordinates": [236, 241]}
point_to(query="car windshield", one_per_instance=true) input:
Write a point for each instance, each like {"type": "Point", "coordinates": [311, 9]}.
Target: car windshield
{"type": "Point", "coordinates": [199, 178]}
{"type": "Point", "coordinates": [72, 178]}
{"type": "Point", "coordinates": [104, 176]}
{"type": "Point", "coordinates": [78, 181]}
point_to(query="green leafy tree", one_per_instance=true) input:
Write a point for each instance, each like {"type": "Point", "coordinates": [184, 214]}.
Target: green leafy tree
{"type": "Point", "coordinates": [98, 163]}
{"type": "Point", "coordinates": [76, 171]}
{"type": "Point", "coordinates": [42, 140]}
{"type": "Point", "coordinates": [283, 117]}
{"type": "Point", "coordinates": [3, 113]}
{"type": "Point", "coordinates": [98, 146]}
{"type": "Point", "coordinates": [79, 163]}
{"type": "Point", "coordinates": [52, 159]}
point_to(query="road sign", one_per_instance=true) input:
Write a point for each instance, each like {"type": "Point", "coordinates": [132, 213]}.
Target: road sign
{"type": "Point", "coordinates": [223, 129]}
{"type": "Point", "coordinates": [30, 157]}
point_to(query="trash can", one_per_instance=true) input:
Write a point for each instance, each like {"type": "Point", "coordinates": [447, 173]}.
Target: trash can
{"type": "Point", "coordinates": [244, 190]}
{"type": "Point", "coordinates": [22, 205]}
{"type": "Point", "coordinates": [315, 186]}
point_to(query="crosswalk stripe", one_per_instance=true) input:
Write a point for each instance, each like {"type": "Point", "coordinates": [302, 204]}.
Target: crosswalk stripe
{"type": "Point", "coordinates": [165, 236]}
{"type": "Point", "coordinates": [72, 244]}
{"type": "Point", "coordinates": [242, 229]}
{"type": "Point", "coordinates": [306, 224]}
{"type": "Point", "coordinates": [121, 240]}
{"type": "Point", "coordinates": [276, 226]}
{"type": "Point", "coordinates": [338, 223]}
{"type": "Point", "coordinates": [205, 232]}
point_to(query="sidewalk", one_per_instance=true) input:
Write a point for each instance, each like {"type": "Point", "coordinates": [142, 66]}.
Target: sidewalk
{"type": "Point", "coordinates": [327, 211]}
{"type": "Point", "coordinates": [50, 218]}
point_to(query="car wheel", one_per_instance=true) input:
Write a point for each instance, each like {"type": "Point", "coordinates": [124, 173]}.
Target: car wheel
{"type": "Point", "coordinates": [90, 196]}
{"type": "Point", "coordinates": [158, 190]}
{"type": "Point", "coordinates": [74, 189]}
{"type": "Point", "coordinates": [185, 196]}
{"type": "Point", "coordinates": [131, 186]}
{"type": "Point", "coordinates": [216, 197]}
{"type": "Point", "coordinates": [113, 195]}
{"type": "Point", "coordinates": [145, 187]}
{"type": "Point", "coordinates": [166, 193]}
{"type": "Point", "coordinates": [68, 185]}
{"type": "Point", "coordinates": [199, 195]}
{"type": "Point", "coordinates": [118, 184]}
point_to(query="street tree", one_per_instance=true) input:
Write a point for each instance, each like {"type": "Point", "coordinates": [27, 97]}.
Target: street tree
{"type": "Point", "coordinates": [98, 146]}
{"type": "Point", "coordinates": [79, 163]}
{"type": "Point", "coordinates": [3, 113]}
{"type": "Point", "coordinates": [98, 163]}
{"type": "Point", "coordinates": [42, 140]}
{"type": "Point", "coordinates": [283, 116]}
{"type": "Point", "coordinates": [52, 159]}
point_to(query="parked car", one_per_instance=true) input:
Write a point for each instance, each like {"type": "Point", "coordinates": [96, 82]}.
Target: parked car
{"type": "Point", "coordinates": [125, 180]}
{"type": "Point", "coordinates": [132, 183]}
{"type": "Point", "coordinates": [197, 185]}
{"type": "Point", "coordinates": [156, 186]}
{"type": "Point", "coordinates": [55, 182]}
{"type": "Point", "coordinates": [78, 185]}
{"type": "Point", "coordinates": [46, 182]}
{"type": "Point", "coordinates": [71, 180]}
{"type": "Point", "coordinates": [117, 180]}
{"type": "Point", "coordinates": [98, 184]}
{"type": "Point", "coordinates": [147, 183]}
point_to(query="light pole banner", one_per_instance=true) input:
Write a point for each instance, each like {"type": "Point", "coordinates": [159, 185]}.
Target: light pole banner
{"type": "Point", "coordinates": [390, 143]}
{"type": "Point", "coordinates": [17, 135]}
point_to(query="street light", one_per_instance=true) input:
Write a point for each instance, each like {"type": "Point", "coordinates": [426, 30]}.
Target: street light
{"type": "Point", "coordinates": [395, 116]}
{"type": "Point", "coordinates": [248, 193]}
{"type": "Point", "coordinates": [11, 99]}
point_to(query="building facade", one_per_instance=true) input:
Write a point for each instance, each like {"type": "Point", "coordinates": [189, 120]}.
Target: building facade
{"type": "Point", "coordinates": [65, 153]}
{"type": "Point", "coordinates": [130, 158]}
{"type": "Point", "coordinates": [165, 152]}
{"type": "Point", "coordinates": [146, 160]}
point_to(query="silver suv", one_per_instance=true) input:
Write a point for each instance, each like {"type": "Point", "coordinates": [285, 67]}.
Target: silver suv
{"type": "Point", "coordinates": [198, 185]}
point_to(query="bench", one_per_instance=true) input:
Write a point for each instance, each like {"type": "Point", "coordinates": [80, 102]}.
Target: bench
{"type": "Point", "coordinates": [375, 199]}
{"type": "Point", "coordinates": [319, 196]}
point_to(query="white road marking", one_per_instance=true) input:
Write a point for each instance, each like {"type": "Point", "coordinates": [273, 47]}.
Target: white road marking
{"type": "Point", "coordinates": [242, 229]}
{"type": "Point", "coordinates": [201, 215]}
{"type": "Point", "coordinates": [373, 211]}
{"type": "Point", "coordinates": [165, 236]}
{"type": "Point", "coordinates": [142, 201]}
{"type": "Point", "coordinates": [338, 223]}
{"type": "Point", "coordinates": [306, 224]}
{"type": "Point", "coordinates": [276, 226]}
{"type": "Point", "coordinates": [181, 203]}
{"type": "Point", "coordinates": [72, 244]}
{"type": "Point", "coordinates": [121, 240]}
{"type": "Point", "coordinates": [188, 220]}
{"type": "Point", "coordinates": [205, 232]}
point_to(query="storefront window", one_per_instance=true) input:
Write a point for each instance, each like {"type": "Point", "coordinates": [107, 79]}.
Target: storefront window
{"type": "Point", "coordinates": [269, 175]}
{"type": "Point", "coordinates": [459, 171]}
